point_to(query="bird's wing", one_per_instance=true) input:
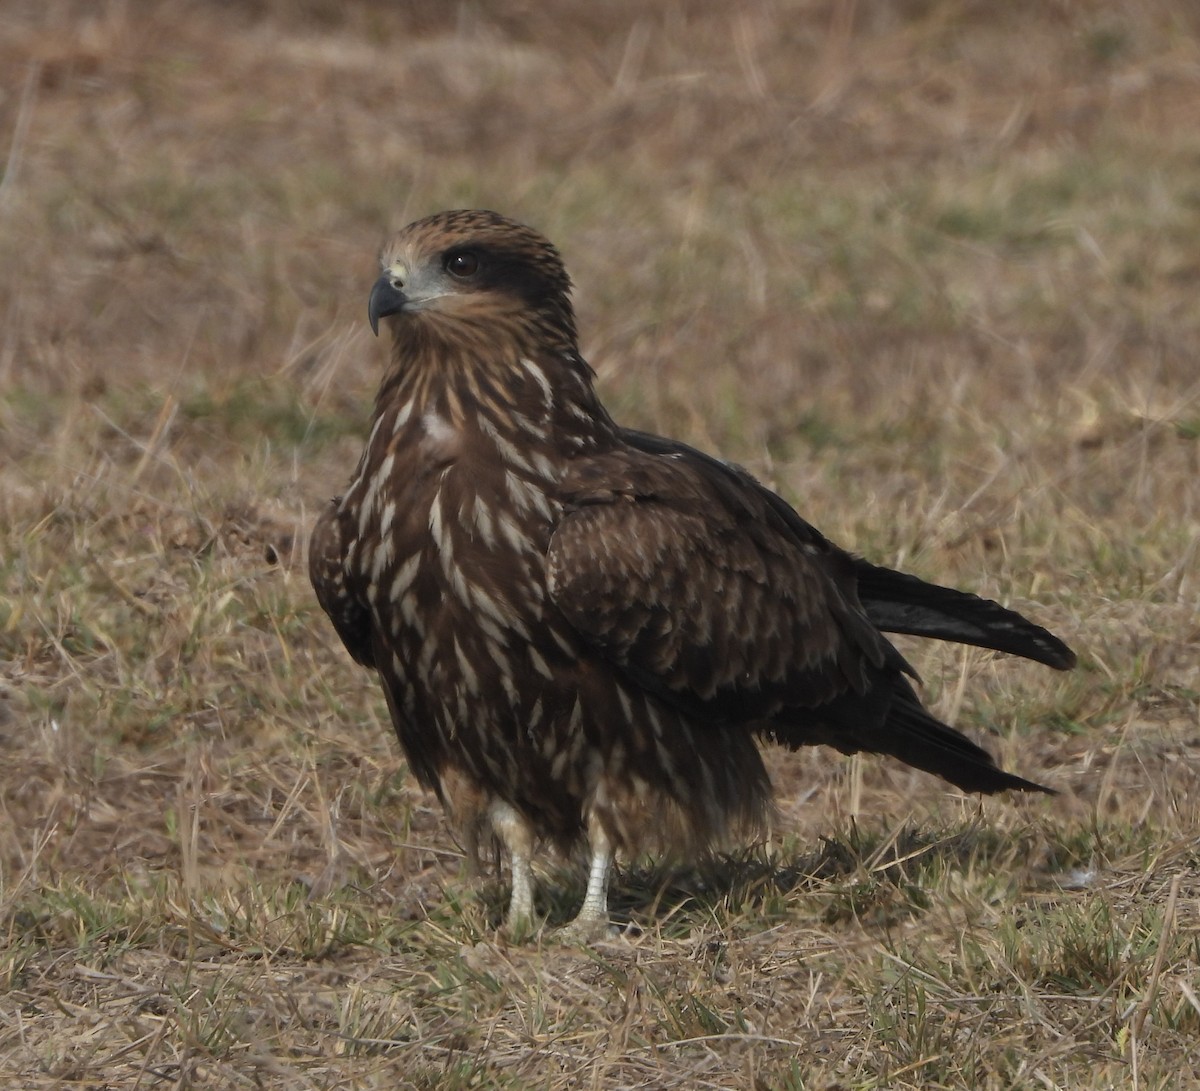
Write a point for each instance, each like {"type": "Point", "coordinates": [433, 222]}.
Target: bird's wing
{"type": "Point", "coordinates": [327, 547]}
{"type": "Point", "coordinates": [689, 583]}
{"type": "Point", "coordinates": [897, 602]}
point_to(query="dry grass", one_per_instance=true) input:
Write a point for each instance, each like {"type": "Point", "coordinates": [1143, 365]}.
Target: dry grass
{"type": "Point", "coordinates": [928, 267]}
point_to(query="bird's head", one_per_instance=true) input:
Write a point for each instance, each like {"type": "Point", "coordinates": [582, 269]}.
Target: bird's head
{"type": "Point", "coordinates": [473, 274]}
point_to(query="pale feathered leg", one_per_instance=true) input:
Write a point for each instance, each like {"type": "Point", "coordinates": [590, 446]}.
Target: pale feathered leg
{"type": "Point", "coordinates": [591, 923]}
{"type": "Point", "coordinates": [595, 901]}
{"type": "Point", "coordinates": [516, 836]}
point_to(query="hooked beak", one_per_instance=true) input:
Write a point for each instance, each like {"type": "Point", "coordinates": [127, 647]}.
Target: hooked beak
{"type": "Point", "coordinates": [385, 299]}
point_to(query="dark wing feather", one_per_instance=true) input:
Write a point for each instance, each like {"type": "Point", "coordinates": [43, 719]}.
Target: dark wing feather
{"type": "Point", "coordinates": [327, 548]}
{"type": "Point", "coordinates": [689, 586]}
{"type": "Point", "coordinates": [895, 601]}
{"type": "Point", "coordinates": [701, 591]}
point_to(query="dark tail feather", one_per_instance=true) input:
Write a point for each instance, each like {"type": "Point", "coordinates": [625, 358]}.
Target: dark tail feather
{"type": "Point", "coordinates": [899, 603]}
{"type": "Point", "coordinates": [917, 739]}
{"type": "Point", "coordinates": [891, 721]}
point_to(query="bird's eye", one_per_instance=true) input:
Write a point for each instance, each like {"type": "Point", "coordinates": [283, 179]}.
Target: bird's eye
{"type": "Point", "coordinates": [463, 265]}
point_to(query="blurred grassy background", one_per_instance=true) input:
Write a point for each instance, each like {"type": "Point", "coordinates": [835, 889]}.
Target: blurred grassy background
{"type": "Point", "coordinates": [931, 269]}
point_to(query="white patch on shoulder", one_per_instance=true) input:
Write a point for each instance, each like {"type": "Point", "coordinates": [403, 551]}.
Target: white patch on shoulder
{"type": "Point", "coordinates": [512, 534]}
{"type": "Point", "coordinates": [518, 491]}
{"type": "Point", "coordinates": [458, 580]}
{"type": "Point", "coordinates": [442, 439]}
{"type": "Point", "coordinates": [382, 558]}
{"type": "Point", "coordinates": [408, 611]}
{"type": "Point", "coordinates": [525, 495]}
{"type": "Point", "coordinates": [483, 522]}
{"type": "Point", "coordinates": [508, 453]}
{"type": "Point", "coordinates": [437, 427]}
{"type": "Point", "coordinates": [374, 432]}
{"type": "Point", "coordinates": [510, 690]}
{"type": "Point", "coordinates": [562, 641]}
{"type": "Point", "coordinates": [379, 480]}
{"type": "Point", "coordinates": [540, 377]}
{"type": "Point", "coordinates": [529, 427]}
{"type": "Point", "coordinates": [425, 659]}
{"type": "Point", "coordinates": [470, 678]}
{"type": "Point", "coordinates": [404, 577]}
{"type": "Point", "coordinates": [499, 611]}
{"type": "Point", "coordinates": [545, 466]}
{"type": "Point", "coordinates": [437, 528]}
{"type": "Point", "coordinates": [539, 664]}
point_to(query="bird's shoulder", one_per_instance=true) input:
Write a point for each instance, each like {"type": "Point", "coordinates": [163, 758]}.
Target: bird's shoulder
{"type": "Point", "coordinates": [327, 550]}
{"type": "Point", "coordinates": [328, 546]}
{"type": "Point", "coordinates": [647, 478]}
{"type": "Point", "coordinates": [688, 575]}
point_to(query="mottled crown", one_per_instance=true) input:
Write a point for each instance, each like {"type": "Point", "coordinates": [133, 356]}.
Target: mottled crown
{"type": "Point", "coordinates": [519, 260]}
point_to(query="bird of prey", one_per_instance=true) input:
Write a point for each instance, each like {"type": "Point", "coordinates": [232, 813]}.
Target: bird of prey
{"type": "Point", "coordinates": [583, 630]}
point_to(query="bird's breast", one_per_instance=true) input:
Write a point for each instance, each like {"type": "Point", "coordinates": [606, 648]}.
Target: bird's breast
{"type": "Point", "coordinates": [462, 529]}
{"type": "Point", "coordinates": [439, 441]}
{"type": "Point", "coordinates": [457, 587]}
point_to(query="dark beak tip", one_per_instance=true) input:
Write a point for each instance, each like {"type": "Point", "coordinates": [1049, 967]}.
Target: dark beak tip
{"type": "Point", "coordinates": [385, 299]}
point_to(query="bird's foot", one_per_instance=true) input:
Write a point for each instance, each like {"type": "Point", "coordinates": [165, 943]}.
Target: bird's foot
{"type": "Point", "coordinates": [583, 931]}
{"type": "Point", "coordinates": [591, 924]}
{"type": "Point", "coordinates": [520, 928]}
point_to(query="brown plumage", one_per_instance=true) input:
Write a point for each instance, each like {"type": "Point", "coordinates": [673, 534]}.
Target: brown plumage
{"type": "Point", "coordinates": [581, 629]}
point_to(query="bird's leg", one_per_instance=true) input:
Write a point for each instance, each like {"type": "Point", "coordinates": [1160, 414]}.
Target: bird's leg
{"type": "Point", "coordinates": [520, 906]}
{"type": "Point", "coordinates": [470, 846]}
{"type": "Point", "coordinates": [466, 806]}
{"type": "Point", "coordinates": [591, 923]}
{"type": "Point", "coordinates": [595, 901]}
{"type": "Point", "coordinates": [516, 836]}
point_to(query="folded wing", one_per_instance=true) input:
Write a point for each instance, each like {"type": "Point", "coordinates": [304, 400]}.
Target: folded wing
{"type": "Point", "coordinates": [702, 592]}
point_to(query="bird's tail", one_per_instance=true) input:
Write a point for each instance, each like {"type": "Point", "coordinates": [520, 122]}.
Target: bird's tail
{"type": "Point", "coordinates": [892, 721]}
{"type": "Point", "coordinates": [918, 739]}
{"type": "Point", "coordinates": [899, 603]}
